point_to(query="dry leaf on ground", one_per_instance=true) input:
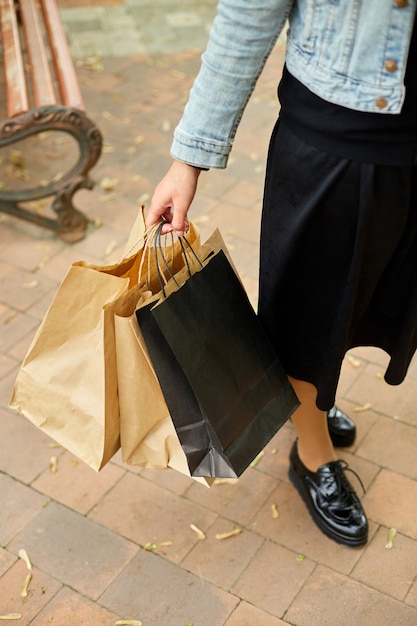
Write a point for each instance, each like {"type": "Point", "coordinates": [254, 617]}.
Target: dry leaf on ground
{"type": "Point", "coordinates": [232, 533]}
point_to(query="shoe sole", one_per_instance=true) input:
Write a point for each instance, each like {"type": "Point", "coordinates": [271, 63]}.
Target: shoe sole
{"type": "Point", "coordinates": [350, 542]}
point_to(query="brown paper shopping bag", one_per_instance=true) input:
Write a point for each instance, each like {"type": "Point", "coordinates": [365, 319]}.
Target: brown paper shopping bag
{"type": "Point", "coordinates": [147, 435]}
{"type": "Point", "coordinates": [67, 384]}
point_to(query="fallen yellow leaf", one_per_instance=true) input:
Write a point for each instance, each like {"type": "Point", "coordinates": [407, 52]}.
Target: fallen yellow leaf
{"type": "Point", "coordinates": [24, 589]}
{"type": "Point", "coordinates": [159, 544]}
{"type": "Point", "coordinates": [274, 511]}
{"type": "Point", "coordinates": [352, 361]}
{"type": "Point", "coordinates": [108, 183]}
{"type": "Point", "coordinates": [15, 157]}
{"type": "Point", "coordinates": [198, 531]}
{"type": "Point", "coordinates": [365, 407]}
{"type": "Point", "coordinates": [25, 557]}
{"type": "Point", "coordinates": [232, 533]}
{"type": "Point", "coordinates": [391, 534]}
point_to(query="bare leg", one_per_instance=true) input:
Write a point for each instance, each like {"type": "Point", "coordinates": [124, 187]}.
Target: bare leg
{"type": "Point", "coordinates": [314, 445]}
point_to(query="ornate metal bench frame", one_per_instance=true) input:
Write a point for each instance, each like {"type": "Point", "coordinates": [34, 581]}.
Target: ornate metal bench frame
{"type": "Point", "coordinates": [70, 224]}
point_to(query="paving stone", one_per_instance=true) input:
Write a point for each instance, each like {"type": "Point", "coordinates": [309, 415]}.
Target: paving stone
{"type": "Point", "coordinates": [146, 513]}
{"type": "Point", "coordinates": [169, 479]}
{"type": "Point", "coordinates": [275, 460]}
{"type": "Point", "coordinates": [6, 386]}
{"type": "Point", "coordinates": [68, 608]}
{"type": "Point", "coordinates": [391, 444]}
{"type": "Point", "coordinates": [412, 370]}
{"type": "Point", "coordinates": [30, 257]}
{"type": "Point", "coordinates": [16, 326]}
{"type": "Point", "coordinates": [27, 442]}
{"type": "Point", "coordinates": [386, 399]}
{"type": "Point", "coordinates": [40, 590]}
{"type": "Point", "coordinates": [76, 551]}
{"type": "Point", "coordinates": [348, 375]}
{"type": "Point", "coordinates": [247, 615]}
{"type": "Point", "coordinates": [20, 289]}
{"type": "Point", "coordinates": [391, 571]}
{"type": "Point", "coordinates": [330, 598]}
{"type": "Point", "coordinates": [237, 502]}
{"type": "Point", "coordinates": [412, 595]}
{"type": "Point", "coordinates": [370, 354]}
{"type": "Point", "coordinates": [19, 504]}
{"type": "Point", "coordinates": [19, 350]}
{"type": "Point", "coordinates": [119, 46]}
{"type": "Point", "coordinates": [6, 560]}
{"type": "Point", "coordinates": [273, 579]}
{"type": "Point", "coordinates": [75, 484]}
{"type": "Point", "coordinates": [183, 18]}
{"type": "Point", "coordinates": [154, 591]}
{"type": "Point", "coordinates": [7, 364]}
{"type": "Point", "coordinates": [391, 501]}
{"type": "Point", "coordinates": [221, 561]}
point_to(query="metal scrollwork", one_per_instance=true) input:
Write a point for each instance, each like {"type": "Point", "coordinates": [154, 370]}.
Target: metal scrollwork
{"type": "Point", "coordinates": [70, 223]}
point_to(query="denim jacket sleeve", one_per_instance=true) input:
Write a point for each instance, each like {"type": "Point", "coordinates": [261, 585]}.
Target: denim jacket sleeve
{"type": "Point", "coordinates": [243, 35]}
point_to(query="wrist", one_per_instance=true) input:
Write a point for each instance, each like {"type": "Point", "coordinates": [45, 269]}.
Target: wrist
{"type": "Point", "coordinates": [189, 166]}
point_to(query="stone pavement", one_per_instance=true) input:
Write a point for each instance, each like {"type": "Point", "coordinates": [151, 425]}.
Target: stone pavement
{"type": "Point", "coordinates": [86, 533]}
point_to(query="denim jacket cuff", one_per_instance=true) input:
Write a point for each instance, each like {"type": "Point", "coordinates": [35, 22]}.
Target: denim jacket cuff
{"type": "Point", "coordinates": [200, 153]}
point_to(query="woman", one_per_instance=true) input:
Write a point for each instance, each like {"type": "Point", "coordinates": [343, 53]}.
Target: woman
{"type": "Point", "coordinates": [339, 221]}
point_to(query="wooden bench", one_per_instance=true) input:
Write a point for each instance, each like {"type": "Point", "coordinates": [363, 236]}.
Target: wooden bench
{"type": "Point", "coordinates": [42, 95]}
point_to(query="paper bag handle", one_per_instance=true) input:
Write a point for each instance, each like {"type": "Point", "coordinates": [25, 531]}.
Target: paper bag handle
{"type": "Point", "coordinates": [159, 254]}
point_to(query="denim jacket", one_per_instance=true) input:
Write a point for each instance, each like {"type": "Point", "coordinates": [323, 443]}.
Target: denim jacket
{"type": "Point", "coordinates": [349, 52]}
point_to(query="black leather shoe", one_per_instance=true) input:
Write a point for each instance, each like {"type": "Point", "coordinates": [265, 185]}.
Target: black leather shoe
{"type": "Point", "coordinates": [342, 429]}
{"type": "Point", "coordinates": [331, 500]}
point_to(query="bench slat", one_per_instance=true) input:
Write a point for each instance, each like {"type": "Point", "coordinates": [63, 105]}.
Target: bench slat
{"type": "Point", "coordinates": [64, 65]}
{"type": "Point", "coordinates": [42, 83]}
{"type": "Point", "coordinates": [17, 96]}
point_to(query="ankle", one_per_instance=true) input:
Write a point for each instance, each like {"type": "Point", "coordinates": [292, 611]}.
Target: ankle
{"type": "Point", "coordinates": [315, 456]}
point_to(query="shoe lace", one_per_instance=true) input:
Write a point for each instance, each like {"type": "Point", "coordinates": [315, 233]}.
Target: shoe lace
{"type": "Point", "coordinates": [344, 466]}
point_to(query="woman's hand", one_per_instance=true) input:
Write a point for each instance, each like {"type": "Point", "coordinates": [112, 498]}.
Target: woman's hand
{"type": "Point", "coordinates": [172, 198]}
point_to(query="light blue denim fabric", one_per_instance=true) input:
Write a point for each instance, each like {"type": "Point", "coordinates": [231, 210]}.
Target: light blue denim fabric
{"type": "Point", "coordinates": [339, 49]}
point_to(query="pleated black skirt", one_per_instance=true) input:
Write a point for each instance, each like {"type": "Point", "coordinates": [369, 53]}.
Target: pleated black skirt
{"type": "Point", "coordinates": [338, 261]}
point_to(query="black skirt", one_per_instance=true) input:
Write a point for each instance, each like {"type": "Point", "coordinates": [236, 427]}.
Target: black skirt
{"type": "Point", "coordinates": [338, 261]}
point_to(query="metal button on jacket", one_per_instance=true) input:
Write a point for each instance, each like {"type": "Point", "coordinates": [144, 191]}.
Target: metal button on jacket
{"type": "Point", "coordinates": [381, 103]}
{"type": "Point", "coordinates": [391, 65]}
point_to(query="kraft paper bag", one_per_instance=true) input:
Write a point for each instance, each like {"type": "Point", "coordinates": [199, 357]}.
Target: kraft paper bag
{"type": "Point", "coordinates": [67, 385]}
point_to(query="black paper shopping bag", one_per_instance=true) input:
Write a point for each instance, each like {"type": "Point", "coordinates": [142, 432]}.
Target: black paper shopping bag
{"type": "Point", "coordinates": [222, 381]}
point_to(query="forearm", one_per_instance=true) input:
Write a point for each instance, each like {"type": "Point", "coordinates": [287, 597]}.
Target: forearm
{"type": "Point", "coordinates": [241, 39]}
